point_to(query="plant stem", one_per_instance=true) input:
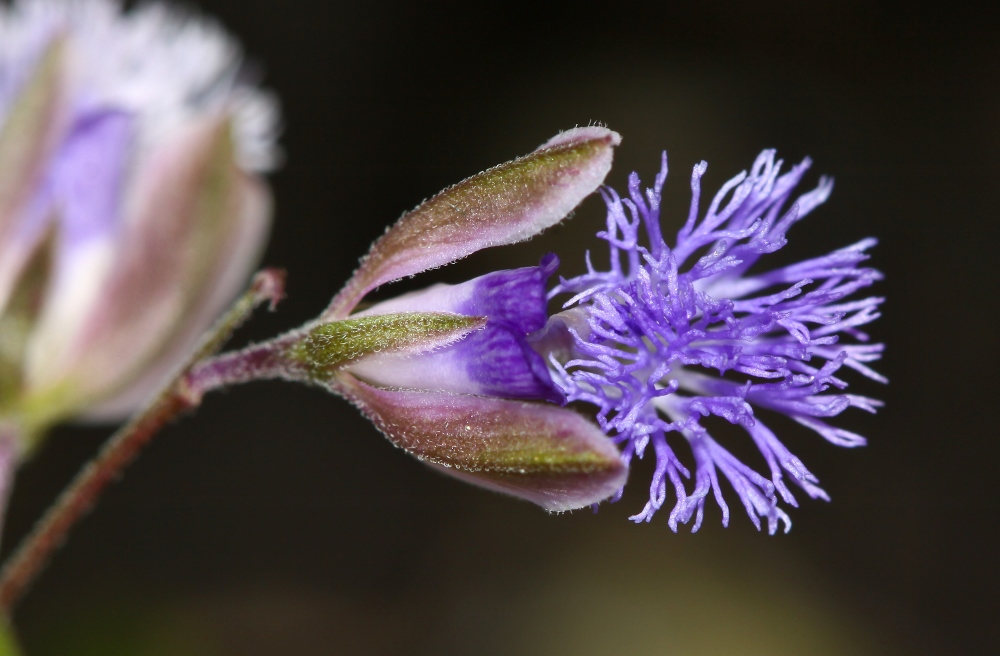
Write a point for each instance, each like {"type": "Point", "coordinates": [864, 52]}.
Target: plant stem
{"type": "Point", "coordinates": [8, 466]}
{"type": "Point", "coordinates": [124, 445]}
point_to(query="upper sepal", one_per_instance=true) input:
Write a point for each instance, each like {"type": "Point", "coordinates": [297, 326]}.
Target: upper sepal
{"type": "Point", "coordinates": [540, 452]}
{"type": "Point", "coordinates": [503, 205]}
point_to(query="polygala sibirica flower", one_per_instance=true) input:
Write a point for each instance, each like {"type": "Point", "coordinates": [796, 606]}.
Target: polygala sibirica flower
{"type": "Point", "coordinates": [131, 203]}
{"type": "Point", "coordinates": [470, 378]}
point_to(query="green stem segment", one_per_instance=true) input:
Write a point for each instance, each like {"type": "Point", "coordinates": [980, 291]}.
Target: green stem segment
{"type": "Point", "coordinates": [123, 446]}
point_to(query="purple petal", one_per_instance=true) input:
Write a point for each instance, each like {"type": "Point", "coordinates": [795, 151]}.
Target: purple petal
{"type": "Point", "coordinates": [496, 361]}
{"type": "Point", "coordinates": [85, 193]}
{"type": "Point", "coordinates": [89, 171]}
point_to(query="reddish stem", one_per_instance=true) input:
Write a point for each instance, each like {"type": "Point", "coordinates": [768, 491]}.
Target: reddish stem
{"type": "Point", "coordinates": [122, 448]}
{"type": "Point", "coordinates": [51, 531]}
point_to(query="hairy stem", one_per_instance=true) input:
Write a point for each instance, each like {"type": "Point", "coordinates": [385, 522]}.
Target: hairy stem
{"type": "Point", "coordinates": [123, 446]}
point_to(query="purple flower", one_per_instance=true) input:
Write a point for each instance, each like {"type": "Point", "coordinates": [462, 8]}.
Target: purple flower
{"type": "Point", "coordinates": [670, 336]}
{"type": "Point", "coordinates": [469, 378]}
{"type": "Point", "coordinates": [131, 205]}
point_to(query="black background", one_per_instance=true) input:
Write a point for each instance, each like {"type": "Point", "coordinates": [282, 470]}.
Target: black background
{"type": "Point", "coordinates": [277, 521]}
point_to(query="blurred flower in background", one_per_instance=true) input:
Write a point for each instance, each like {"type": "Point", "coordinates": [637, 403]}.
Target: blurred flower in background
{"type": "Point", "coordinates": [131, 203]}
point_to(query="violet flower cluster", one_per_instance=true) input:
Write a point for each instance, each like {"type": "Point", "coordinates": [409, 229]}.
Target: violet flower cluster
{"type": "Point", "coordinates": [670, 336]}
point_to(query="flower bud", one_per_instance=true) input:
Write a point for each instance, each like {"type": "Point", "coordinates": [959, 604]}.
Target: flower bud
{"type": "Point", "coordinates": [131, 206]}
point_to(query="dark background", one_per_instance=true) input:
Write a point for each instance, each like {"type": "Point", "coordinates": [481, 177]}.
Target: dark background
{"type": "Point", "coordinates": [277, 521]}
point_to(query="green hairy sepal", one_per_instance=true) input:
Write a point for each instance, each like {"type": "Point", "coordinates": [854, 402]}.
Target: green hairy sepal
{"type": "Point", "coordinates": [328, 347]}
